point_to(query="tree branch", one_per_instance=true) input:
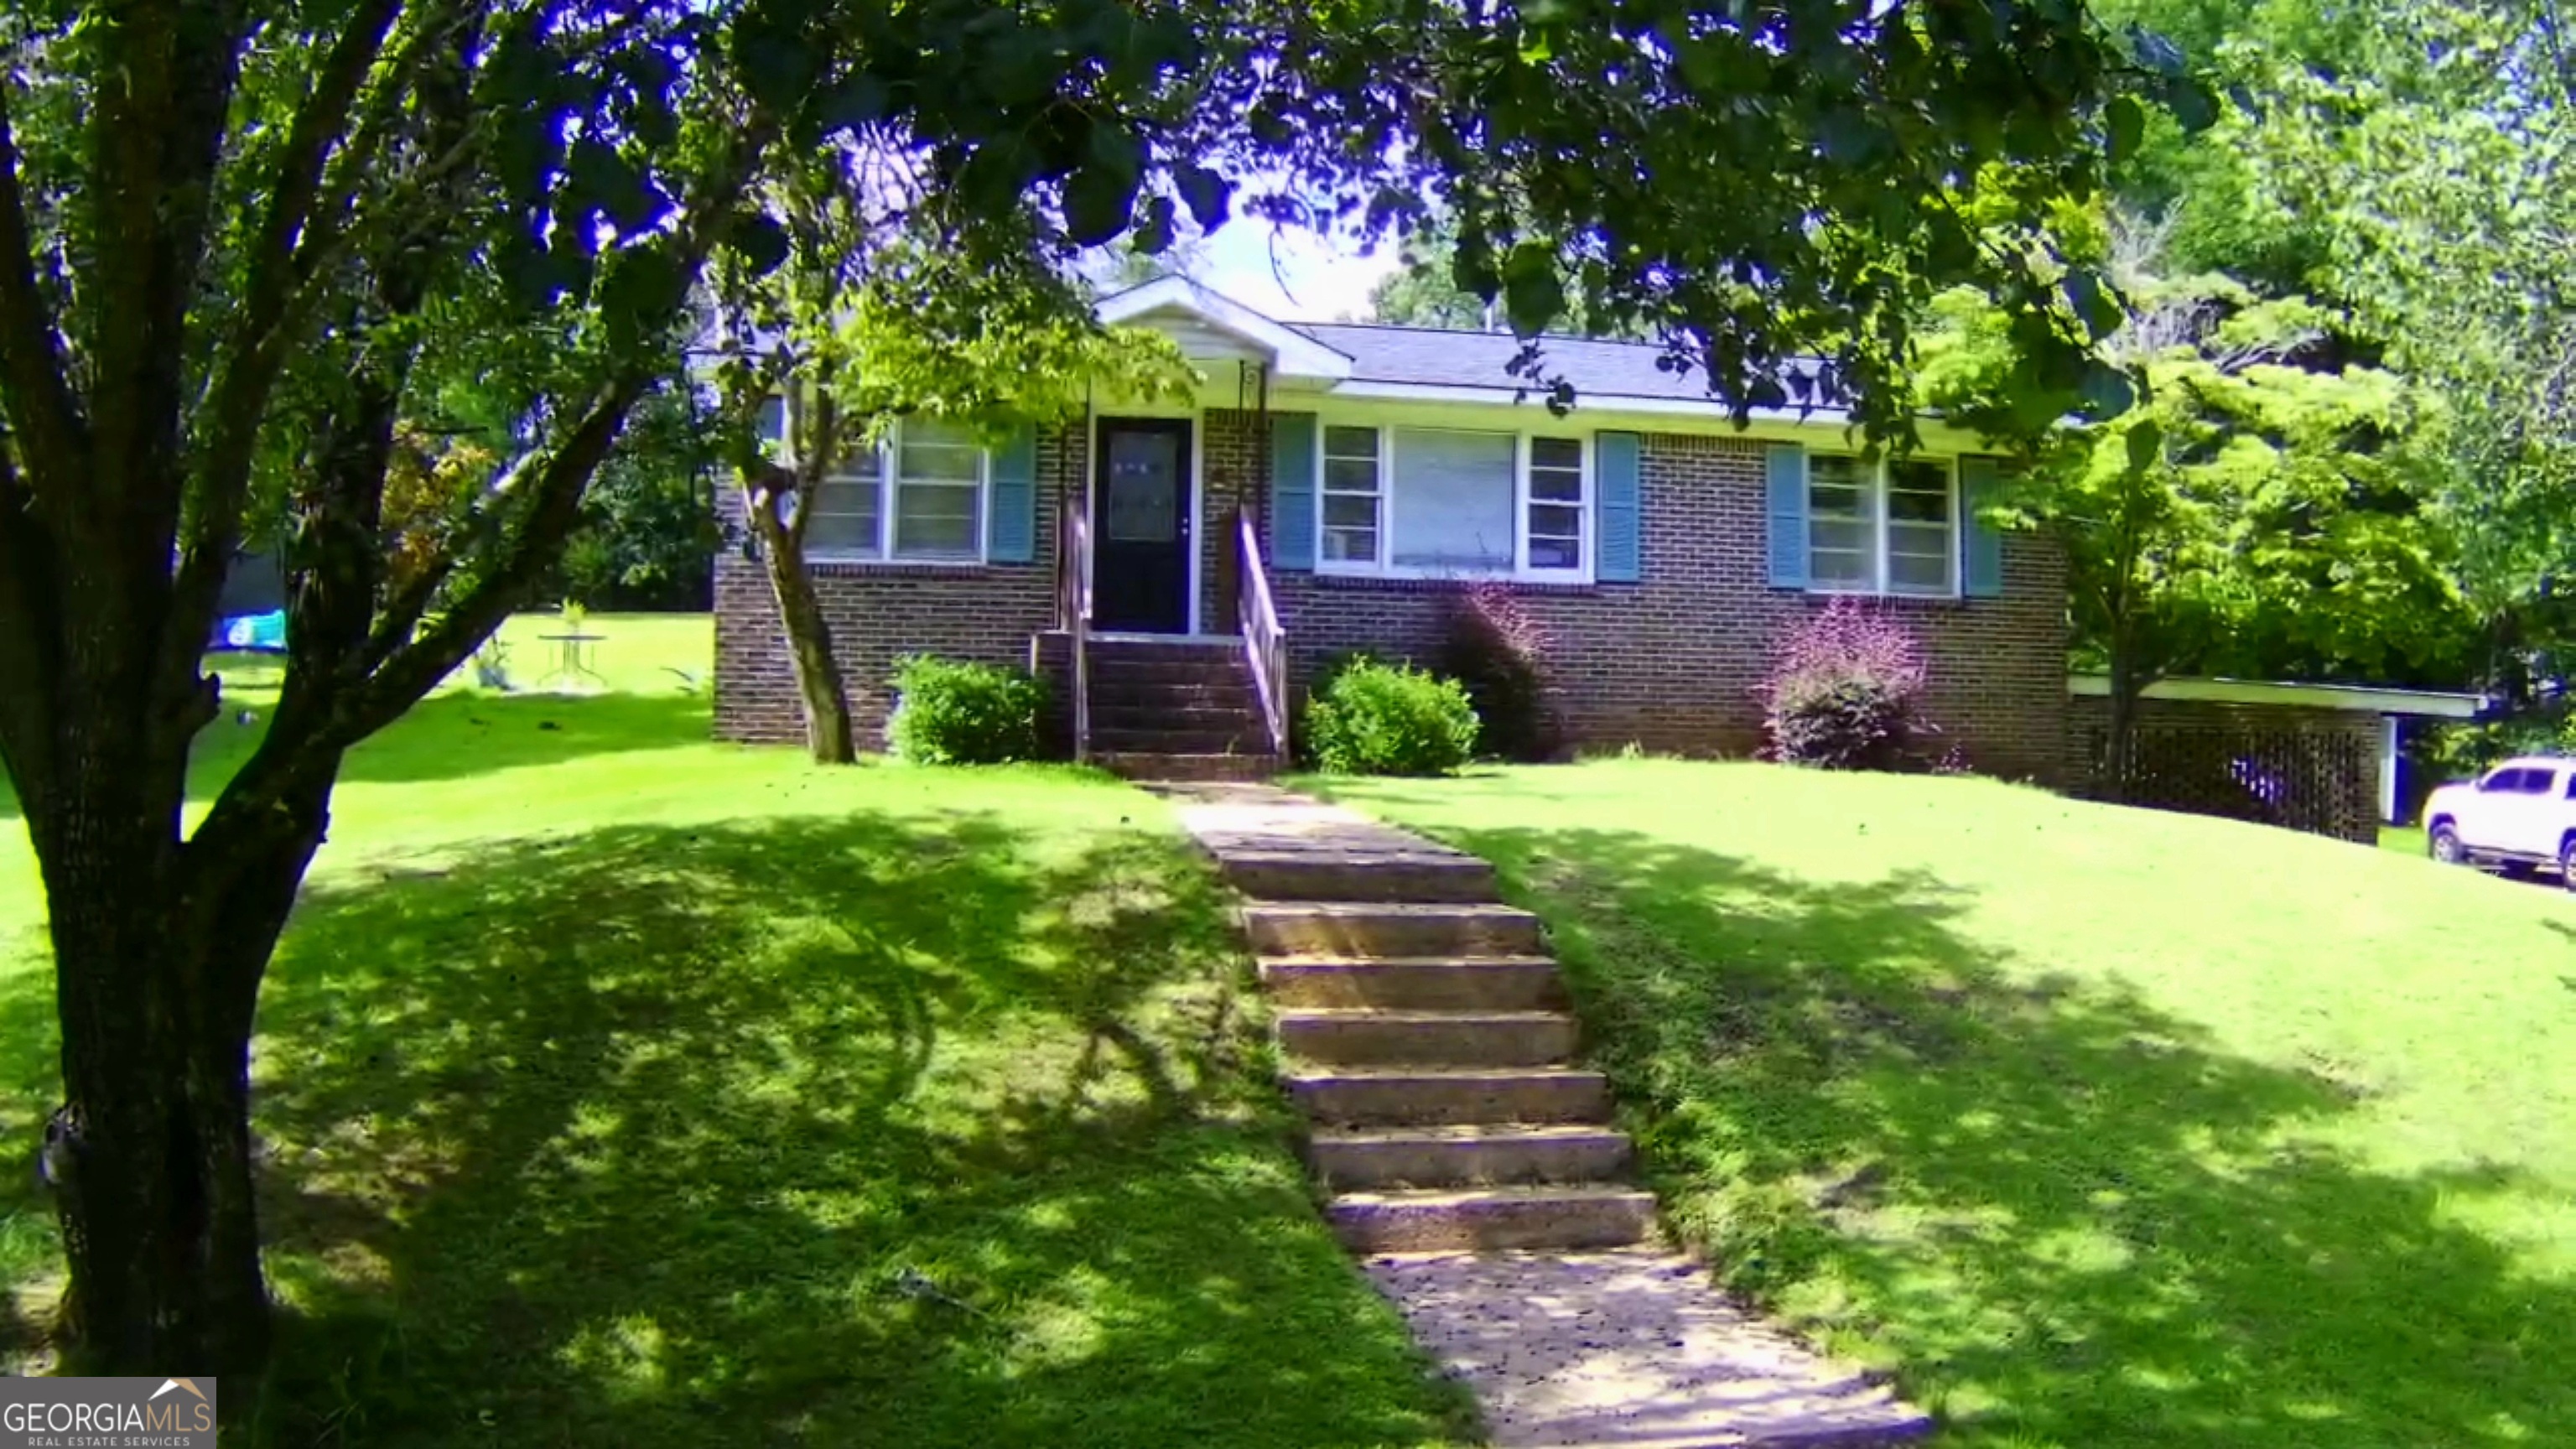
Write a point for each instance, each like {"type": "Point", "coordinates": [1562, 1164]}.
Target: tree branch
{"type": "Point", "coordinates": [528, 546]}
{"type": "Point", "coordinates": [291, 242]}
{"type": "Point", "coordinates": [43, 417]}
{"type": "Point", "coordinates": [27, 642]}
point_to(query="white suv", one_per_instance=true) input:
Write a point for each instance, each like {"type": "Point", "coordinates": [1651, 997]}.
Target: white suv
{"type": "Point", "coordinates": [2518, 815]}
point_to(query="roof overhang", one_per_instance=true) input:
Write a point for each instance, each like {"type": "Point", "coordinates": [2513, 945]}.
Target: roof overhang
{"type": "Point", "coordinates": [2360, 699]}
{"type": "Point", "coordinates": [1167, 301]}
{"type": "Point", "coordinates": [1374, 390]}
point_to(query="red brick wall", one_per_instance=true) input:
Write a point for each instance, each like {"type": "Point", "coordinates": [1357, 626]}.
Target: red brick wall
{"type": "Point", "coordinates": [878, 611]}
{"type": "Point", "coordinates": [1669, 663]}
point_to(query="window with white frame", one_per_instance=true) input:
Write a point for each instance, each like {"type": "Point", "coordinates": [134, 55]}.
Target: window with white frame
{"type": "Point", "coordinates": [1441, 502]}
{"type": "Point", "coordinates": [1922, 534]}
{"type": "Point", "coordinates": [1352, 495]}
{"type": "Point", "coordinates": [1842, 527]}
{"type": "Point", "coordinates": [1882, 527]}
{"type": "Point", "coordinates": [938, 492]}
{"type": "Point", "coordinates": [1556, 501]}
{"type": "Point", "coordinates": [919, 498]}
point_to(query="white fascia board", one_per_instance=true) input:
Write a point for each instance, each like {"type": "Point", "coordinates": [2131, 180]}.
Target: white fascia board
{"type": "Point", "coordinates": [1830, 430]}
{"type": "Point", "coordinates": [1598, 402]}
{"type": "Point", "coordinates": [2433, 704]}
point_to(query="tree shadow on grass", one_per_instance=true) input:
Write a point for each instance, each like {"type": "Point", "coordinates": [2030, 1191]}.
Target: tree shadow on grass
{"type": "Point", "coordinates": [2069, 1217]}
{"type": "Point", "coordinates": [858, 1131]}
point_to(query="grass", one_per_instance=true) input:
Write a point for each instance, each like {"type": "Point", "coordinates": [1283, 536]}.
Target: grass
{"type": "Point", "coordinates": [2103, 1128]}
{"type": "Point", "coordinates": [619, 1087]}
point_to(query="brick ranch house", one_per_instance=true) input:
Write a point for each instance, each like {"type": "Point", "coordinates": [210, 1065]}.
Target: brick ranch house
{"type": "Point", "coordinates": [1329, 490]}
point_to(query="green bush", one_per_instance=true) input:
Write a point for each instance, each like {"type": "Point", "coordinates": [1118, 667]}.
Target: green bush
{"type": "Point", "coordinates": [1390, 719]}
{"type": "Point", "coordinates": [953, 712]}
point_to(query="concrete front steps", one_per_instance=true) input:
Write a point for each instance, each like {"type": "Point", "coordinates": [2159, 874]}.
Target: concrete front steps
{"type": "Point", "coordinates": [1445, 1122]}
{"type": "Point", "coordinates": [1425, 1036]}
{"type": "Point", "coordinates": [1176, 708]}
{"type": "Point", "coordinates": [1475, 1153]}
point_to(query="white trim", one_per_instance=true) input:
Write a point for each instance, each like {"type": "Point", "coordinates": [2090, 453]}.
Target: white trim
{"type": "Point", "coordinates": [1591, 415]}
{"type": "Point", "coordinates": [1374, 390]}
{"type": "Point", "coordinates": [889, 454]}
{"type": "Point", "coordinates": [1292, 353]}
{"type": "Point", "coordinates": [2388, 767]}
{"type": "Point", "coordinates": [1874, 501]}
{"type": "Point", "coordinates": [2360, 699]}
{"type": "Point", "coordinates": [1384, 566]}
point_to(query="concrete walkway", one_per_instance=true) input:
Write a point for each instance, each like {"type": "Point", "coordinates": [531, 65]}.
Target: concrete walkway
{"type": "Point", "coordinates": [1473, 1163]}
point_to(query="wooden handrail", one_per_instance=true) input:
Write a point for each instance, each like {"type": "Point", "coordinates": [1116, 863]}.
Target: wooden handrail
{"type": "Point", "coordinates": [1073, 612]}
{"type": "Point", "coordinates": [1265, 644]}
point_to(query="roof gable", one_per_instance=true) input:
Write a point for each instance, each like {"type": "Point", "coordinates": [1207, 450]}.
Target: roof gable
{"type": "Point", "coordinates": [1209, 324]}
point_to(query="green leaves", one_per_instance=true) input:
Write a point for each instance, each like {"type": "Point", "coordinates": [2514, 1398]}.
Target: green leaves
{"type": "Point", "coordinates": [1100, 197]}
{"type": "Point", "coordinates": [598, 177]}
{"type": "Point", "coordinates": [1533, 293]}
{"type": "Point", "coordinates": [2146, 441]}
{"type": "Point", "coordinates": [2094, 303]}
{"type": "Point", "coordinates": [859, 99]}
{"type": "Point", "coordinates": [1205, 193]}
{"type": "Point", "coordinates": [2107, 390]}
{"type": "Point", "coordinates": [2125, 127]}
{"type": "Point", "coordinates": [759, 240]}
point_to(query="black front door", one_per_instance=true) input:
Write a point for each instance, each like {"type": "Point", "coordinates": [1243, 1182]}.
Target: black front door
{"type": "Point", "coordinates": [1140, 526]}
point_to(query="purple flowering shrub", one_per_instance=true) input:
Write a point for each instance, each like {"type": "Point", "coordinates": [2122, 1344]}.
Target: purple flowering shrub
{"type": "Point", "coordinates": [1845, 691]}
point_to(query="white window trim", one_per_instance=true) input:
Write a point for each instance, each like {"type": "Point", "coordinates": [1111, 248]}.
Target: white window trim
{"type": "Point", "coordinates": [1520, 571]}
{"type": "Point", "coordinates": [879, 554]}
{"type": "Point", "coordinates": [1874, 504]}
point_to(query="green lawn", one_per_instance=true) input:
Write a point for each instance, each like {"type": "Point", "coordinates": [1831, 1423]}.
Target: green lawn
{"type": "Point", "coordinates": [623, 1088]}
{"type": "Point", "coordinates": [2106, 1128]}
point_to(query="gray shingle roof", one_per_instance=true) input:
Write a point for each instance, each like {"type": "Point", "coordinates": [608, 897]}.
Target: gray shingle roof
{"type": "Point", "coordinates": [1596, 368]}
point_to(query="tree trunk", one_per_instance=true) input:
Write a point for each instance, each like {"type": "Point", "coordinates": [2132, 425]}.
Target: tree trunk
{"type": "Point", "coordinates": [828, 733]}
{"type": "Point", "coordinates": [2120, 749]}
{"type": "Point", "coordinates": [157, 970]}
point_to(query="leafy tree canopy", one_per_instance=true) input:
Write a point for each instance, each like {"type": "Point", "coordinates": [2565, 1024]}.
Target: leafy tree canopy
{"type": "Point", "coordinates": [2262, 513]}
{"type": "Point", "coordinates": [251, 253]}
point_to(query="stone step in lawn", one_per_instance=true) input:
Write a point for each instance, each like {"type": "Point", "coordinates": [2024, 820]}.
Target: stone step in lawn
{"type": "Point", "coordinates": [1565, 1217]}
{"type": "Point", "coordinates": [1334, 928]}
{"type": "Point", "coordinates": [1368, 1036]}
{"type": "Point", "coordinates": [1353, 1158]}
{"type": "Point", "coordinates": [1434, 1097]}
{"type": "Point", "coordinates": [1331, 874]}
{"type": "Point", "coordinates": [1432, 983]}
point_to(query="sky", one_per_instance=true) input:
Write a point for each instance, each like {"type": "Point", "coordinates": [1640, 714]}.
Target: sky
{"type": "Point", "coordinates": [1325, 281]}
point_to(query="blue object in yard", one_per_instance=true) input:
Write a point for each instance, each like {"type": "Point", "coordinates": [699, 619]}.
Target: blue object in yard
{"type": "Point", "coordinates": [261, 633]}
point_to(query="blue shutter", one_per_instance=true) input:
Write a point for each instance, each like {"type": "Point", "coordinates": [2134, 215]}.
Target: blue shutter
{"type": "Point", "coordinates": [1982, 544]}
{"type": "Point", "coordinates": [1292, 490]}
{"type": "Point", "coordinates": [1786, 472]}
{"type": "Point", "coordinates": [1011, 532]}
{"type": "Point", "coordinates": [773, 424]}
{"type": "Point", "coordinates": [1620, 558]}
